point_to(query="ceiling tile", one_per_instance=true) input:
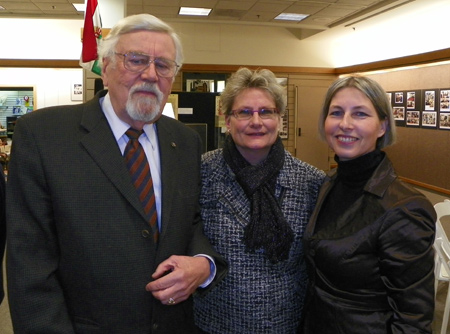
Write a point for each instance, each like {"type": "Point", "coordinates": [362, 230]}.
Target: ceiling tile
{"type": "Point", "coordinates": [161, 10]}
{"type": "Point", "coordinates": [323, 13]}
{"type": "Point", "coordinates": [239, 5]}
{"type": "Point", "coordinates": [9, 5]}
{"type": "Point", "coordinates": [51, 2]}
{"type": "Point", "coordinates": [269, 7]}
{"type": "Point", "coordinates": [198, 3]}
{"type": "Point", "coordinates": [259, 16]}
{"type": "Point", "coordinates": [306, 9]}
{"type": "Point", "coordinates": [57, 7]}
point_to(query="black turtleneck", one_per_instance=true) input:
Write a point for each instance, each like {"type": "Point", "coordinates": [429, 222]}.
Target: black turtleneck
{"type": "Point", "coordinates": [352, 176]}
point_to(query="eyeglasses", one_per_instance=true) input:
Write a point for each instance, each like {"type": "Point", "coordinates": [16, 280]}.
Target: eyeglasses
{"type": "Point", "coordinates": [137, 62]}
{"type": "Point", "coordinates": [264, 113]}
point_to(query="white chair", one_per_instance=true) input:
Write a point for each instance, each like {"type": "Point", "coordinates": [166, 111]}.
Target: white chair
{"type": "Point", "coordinates": [442, 257]}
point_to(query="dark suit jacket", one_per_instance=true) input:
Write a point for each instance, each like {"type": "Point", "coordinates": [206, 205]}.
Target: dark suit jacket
{"type": "Point", "coordinates": [78, 255]}
{"type": "Point", "coordinates": [371, 270]}
{"type": "Point", "coordinates": [2, 230]}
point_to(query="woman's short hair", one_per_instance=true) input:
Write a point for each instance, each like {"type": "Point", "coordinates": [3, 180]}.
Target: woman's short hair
{"type": "Point", "coordinates": [139, 22]}
{"type": "Point", "coordinates": [375, 93]}
{"type": "Point", "coordinates": [245, 78]}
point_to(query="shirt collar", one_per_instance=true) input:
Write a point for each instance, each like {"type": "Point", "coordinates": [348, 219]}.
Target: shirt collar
{"type": "Point", "coordinates": [118, 126]}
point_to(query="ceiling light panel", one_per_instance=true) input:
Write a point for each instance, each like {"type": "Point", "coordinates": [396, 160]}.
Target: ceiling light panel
{"type": "Point", "coordinates": [291, 17]}
{"type": "Point", "coordinates": [194, 11]}
{"type": "Point", "coordinates": [80, 7]}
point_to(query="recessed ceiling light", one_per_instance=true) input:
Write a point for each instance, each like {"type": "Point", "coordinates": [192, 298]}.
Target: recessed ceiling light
{"type": "Point", "coordinates": [80, 7]}
{"type": "Point", "coordinates": [194, 11]}
{"type": "Point", "coordinates": [291, 17]}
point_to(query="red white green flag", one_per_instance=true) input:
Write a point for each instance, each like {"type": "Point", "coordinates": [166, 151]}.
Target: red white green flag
{"type": "Point", "coordinates": [92, 36]}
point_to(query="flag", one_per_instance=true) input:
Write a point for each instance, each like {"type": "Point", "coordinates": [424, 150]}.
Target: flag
{"type": "Point", "coordinates": [92, 36]}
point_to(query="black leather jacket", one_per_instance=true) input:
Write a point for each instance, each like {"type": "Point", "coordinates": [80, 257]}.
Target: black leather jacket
{"type": "Point", "coordinates": [374, 273]}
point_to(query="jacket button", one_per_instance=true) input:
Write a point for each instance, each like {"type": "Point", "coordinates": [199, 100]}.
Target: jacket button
{"type": "Point", "coordinates": [145, 233]}
{"type": "Point", "coordinates": [154, 326]}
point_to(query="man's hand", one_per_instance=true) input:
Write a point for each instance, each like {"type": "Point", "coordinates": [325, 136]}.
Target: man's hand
{"type": "Point", "coordinates": [178, 277]}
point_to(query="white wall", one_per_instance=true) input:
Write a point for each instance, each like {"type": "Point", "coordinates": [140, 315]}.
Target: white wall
{"type": "Point", "coordinates": [228, 44]}
{"type": "Point", "coordinates": [40, 39]}
{"type": "Point", "coordinates": [400, 32]}
{"type": "Point", "coordinates": [52, 86]}
{"type": "Point", "coordinates": [418, 27]}
{"type": "Point", "coordinates": [45, 39]}
{"type": "Point", "coordinates": [203, 43]}
{"type": "Point", "coordinates": [51, 38]}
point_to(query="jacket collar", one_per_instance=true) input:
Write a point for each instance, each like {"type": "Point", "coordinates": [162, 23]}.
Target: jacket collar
{"type": "Point", "coordinates": [101, 145]}
{"type": "Point", "coordinates": [380, 180]}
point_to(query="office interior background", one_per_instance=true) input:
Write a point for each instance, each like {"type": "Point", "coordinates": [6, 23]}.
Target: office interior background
{"type": "Point", "coordinates": [403, 44]}
{"type": "Point", "coordinates": [340, 37]}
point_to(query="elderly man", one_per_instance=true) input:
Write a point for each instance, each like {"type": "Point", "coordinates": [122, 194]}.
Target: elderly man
{"type": "Point", "coordinates": [104, 234]}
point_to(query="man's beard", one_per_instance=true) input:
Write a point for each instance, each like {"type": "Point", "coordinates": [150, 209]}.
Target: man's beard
{"type": "Point", "coordinates": [144, 108]}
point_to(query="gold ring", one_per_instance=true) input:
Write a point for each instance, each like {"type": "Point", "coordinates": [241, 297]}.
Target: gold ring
{"type": "Point", "coordinates": [171, 301]}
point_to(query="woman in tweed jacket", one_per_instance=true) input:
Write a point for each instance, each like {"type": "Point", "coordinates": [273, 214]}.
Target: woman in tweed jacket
{"type": "Point", "coordinates": [256, 201]}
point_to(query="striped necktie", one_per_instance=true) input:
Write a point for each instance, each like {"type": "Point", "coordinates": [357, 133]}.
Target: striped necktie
{"type": "Point", "coordinates": [139, 168]}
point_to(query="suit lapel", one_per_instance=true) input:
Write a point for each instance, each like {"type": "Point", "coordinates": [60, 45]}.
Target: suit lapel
{"type": "Point", "coordinates": [169, 170]}
{"type": "Point", "coordinates": [101, 145]}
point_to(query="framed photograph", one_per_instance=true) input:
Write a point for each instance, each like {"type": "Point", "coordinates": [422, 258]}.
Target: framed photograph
{"type": "Point", "coordinates": [284, 125]}
{"type": "Point", "coordinates": [76, 91]}
{"type": "Point", "coordinates": [389, 96]}
{"type": "Point", "coordinates": [413, 118]}
{"type": "Point", "coordinates": [444, 120]}
{"type": "Point", "coordinates": [430, 100]}
{"type": "Point", "coordinates": [398, 98]}
{"type": "Point", "coordinates": [410, 100]}
{"type": "Point", "coordinates": [429, 119]}
{"type": "Point", "coordinates": [444, 100]}
{"type": "Point", "coordinates": [200, 85]}
{"type": "Point", "coordinates": [220, 115]}
{"type": "Point", "coordinates": [284, 130]}
{"type": "Point", "coordinates": [399, 113]}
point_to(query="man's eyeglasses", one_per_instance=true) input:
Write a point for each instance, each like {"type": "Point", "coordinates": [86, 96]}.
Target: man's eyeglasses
{"type": "Point", "coordinates": [264, 113]}
{"type": "Point", "coordinates": [137, 62]}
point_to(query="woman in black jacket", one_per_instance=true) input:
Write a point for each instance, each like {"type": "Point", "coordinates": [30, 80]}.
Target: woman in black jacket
{"type": "Point", "coordinates": [369, 241]}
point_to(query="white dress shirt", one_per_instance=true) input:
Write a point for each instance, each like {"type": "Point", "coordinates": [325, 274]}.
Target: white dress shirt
{"type": "Point", "coordinates": [149, 141]}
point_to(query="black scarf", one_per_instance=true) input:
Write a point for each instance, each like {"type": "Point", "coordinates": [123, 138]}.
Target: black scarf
{"type": "Point", "coordinates": [268, 228]}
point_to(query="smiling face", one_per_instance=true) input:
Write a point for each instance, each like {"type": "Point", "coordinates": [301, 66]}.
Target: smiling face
{"type": "Point", "coordinates": [139, 98]}
{"type": "Point", "coordinates": [352, 125]}
{"type": "Point", "coordinates": [253, 137]}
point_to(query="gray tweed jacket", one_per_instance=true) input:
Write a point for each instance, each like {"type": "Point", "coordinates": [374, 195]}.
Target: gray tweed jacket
{"type": "Point", "coordinates": [256, 296]}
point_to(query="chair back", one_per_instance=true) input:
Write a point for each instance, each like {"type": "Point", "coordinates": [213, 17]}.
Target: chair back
{"type": "Point", "coordinates": [442, 208]}
{"type": "Point", "coordinates": [441, 243]}
{"type": "Point", "coordinates": [442, 258]}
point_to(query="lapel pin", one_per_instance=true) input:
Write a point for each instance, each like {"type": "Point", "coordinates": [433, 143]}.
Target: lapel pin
{"type": "Point", "coordinates": [173, 144]}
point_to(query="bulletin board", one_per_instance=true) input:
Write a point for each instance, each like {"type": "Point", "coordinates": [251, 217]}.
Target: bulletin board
{"type": "Point", "coordinates": [422, 151]}
{"type": "Point", "coordinates": [422, 155]}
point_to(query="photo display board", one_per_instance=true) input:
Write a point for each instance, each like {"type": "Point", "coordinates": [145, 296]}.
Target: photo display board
{"type": "Point", "coordinates": [424, 108]}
